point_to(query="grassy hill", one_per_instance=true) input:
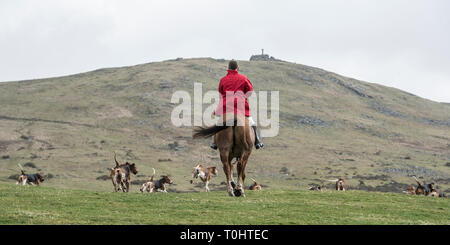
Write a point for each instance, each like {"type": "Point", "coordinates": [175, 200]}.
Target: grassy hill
{"type": "Point", "coordinates": [46, 205]}
{"type": "Point", "coordinates": [330, 126]}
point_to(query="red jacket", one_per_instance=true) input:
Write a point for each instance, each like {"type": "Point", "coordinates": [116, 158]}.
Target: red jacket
{"type": "Point", "coordinates": [234, 89]}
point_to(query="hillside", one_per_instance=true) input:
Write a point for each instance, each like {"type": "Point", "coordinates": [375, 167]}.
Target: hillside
{"type": "Point", "coordinates": [29, 205]}
{"type": "Point", "coordinates": [330, 126]}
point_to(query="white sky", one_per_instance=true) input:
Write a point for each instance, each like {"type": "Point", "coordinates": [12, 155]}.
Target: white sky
{"type": "Point", "coordinates": [403, 44]}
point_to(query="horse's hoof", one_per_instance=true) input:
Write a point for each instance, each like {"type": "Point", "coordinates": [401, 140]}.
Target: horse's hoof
{"type": "Point", "coordinates": [233, 184]}
{"type": "Point", "coordinates": [231, 192]}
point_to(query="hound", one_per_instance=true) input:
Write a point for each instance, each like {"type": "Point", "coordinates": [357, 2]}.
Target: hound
{"type": "Point", "coordinates": [340, 184]}
{"type": "Point", "coordinates": [434, 193]}
{"type": "Point", "coordinates": [410, 190]}
{"type": "Point", "coordinates": [159, 185]}
{"type": "Point", "coordinates": [255, 186]}
{"type": "Point", "coordinates": [425, 189]}
{"type": "Point", "coordinates": [32, 179]}
{"type": "Point", "coordinates": [316, 188]}
{"type": "Point", "coordinates": [204, 174]}
{"type": "Point", "coordinates": [118, 179]}
{"type": "Point", "coordinates": [146, 185]}
{"type": "Point", "coordinates": [120, 175]}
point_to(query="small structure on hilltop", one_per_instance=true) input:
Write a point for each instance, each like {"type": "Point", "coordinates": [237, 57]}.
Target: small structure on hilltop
{"type": "Point", "coordinates": [262, 57]}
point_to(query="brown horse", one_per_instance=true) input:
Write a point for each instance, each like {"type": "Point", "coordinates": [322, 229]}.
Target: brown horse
{"type": "Point", "coordinates": [234, 141]}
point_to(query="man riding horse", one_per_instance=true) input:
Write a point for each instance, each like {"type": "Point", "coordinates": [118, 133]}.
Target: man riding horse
{"type": "Point", "coordinates": [234, 84]}
{"type": "Point", "coordinates": [233, 136]}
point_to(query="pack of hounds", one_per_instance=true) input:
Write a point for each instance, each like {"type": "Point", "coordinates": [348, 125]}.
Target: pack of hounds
{"type": "Point", "coordinates": [121, 177]}
{"type": "Point", "coordinates": [121, 180]}
{"type": "Point", "coordinates": [340, 184]}
{"type": "Point", "coordinates": [423, 189]}
{"type": "Point", "coordinates": [420, 189]}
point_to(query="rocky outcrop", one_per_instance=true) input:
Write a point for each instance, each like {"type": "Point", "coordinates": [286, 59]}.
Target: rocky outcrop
{"type": "Point", "coordinates": [263, 57]}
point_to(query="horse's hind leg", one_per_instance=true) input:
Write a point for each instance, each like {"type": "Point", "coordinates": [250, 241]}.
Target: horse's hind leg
{"type": "Point", "coordinates": [227, 168]}
{"type": "Point", "coordinates": [242, 163]}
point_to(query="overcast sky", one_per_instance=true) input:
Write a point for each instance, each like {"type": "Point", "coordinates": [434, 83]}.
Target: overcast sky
{"type": "Point", "coordinates": [402, 44]}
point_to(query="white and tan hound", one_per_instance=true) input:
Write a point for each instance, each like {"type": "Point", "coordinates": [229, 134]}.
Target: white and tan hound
{"type": "Point", "coordinates": [255, 186]}
{"type": "Point", "coordinates": [121, 175]}
{"type": "Point", "coordinates": [204, 173]}
{"type": "Point", "coordinates": [159, 185]}
{"type": "Point", "coordinates": [411, 191]}
{"type": "Point", "coordinates": [340, 184]}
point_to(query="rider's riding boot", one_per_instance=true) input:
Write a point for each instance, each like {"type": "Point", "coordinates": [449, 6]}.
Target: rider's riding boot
{"type": "Point", "coordinates": [258, 143]}
{"type": "Point", "coordinates": [213, 145]}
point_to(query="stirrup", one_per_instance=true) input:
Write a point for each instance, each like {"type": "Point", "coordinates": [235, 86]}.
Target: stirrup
{"type": "Point", "coordinates": [213, 146]}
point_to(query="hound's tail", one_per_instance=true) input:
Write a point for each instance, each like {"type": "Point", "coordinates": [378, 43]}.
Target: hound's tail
{"type": "Point", "coordinates": [333, 180]}
{"type": "Point", "coordinates": [416, 180]}
{"type": "Point", "coordinates": [253, 180]}
{"type": "Point", "coordinates": [115, 159]}
{"type": "Point", "coordinates": [21, 169]}
{"type": "Point", "coordinates": [151, 178]}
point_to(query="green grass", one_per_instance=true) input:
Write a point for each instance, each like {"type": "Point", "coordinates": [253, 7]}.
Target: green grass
{"type": "Point", "coordinates": [45, 205]}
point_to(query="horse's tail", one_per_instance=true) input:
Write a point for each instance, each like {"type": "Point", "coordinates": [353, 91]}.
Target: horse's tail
{"type": "Point", "coordinates": [201, 132]}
